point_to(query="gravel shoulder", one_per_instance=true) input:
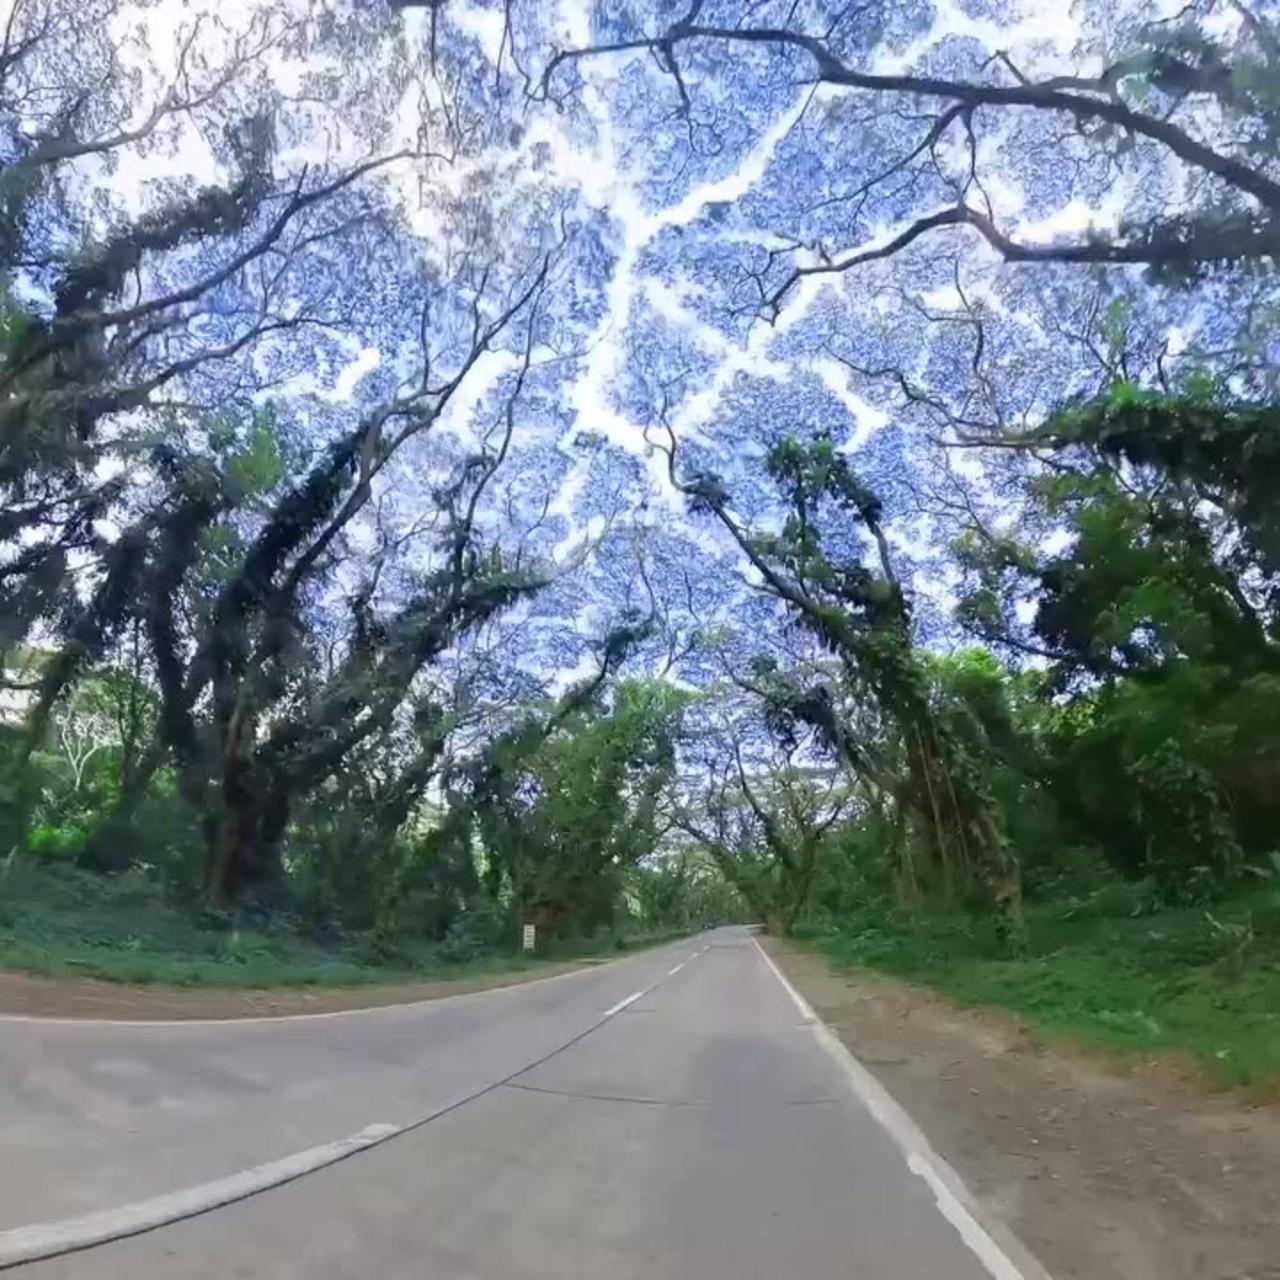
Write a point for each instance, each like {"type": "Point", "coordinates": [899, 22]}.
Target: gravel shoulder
{"type": "Point", "coordinates": [1105, 1171]}
{"type": "Point", "coordinates": [31, 996]}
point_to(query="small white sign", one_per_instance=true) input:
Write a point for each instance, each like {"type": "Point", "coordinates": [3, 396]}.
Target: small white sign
{"type": "Point", "coordinates": [530, 937]}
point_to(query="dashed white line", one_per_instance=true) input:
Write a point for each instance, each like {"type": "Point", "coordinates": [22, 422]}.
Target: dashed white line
{"type": "Point", "coordinates": [47, 1239]}
{"type": "Point", "coordinates": [622, 1004]}
{"type": "Point", "coordinates": [51, 1239]}
{"type": "Point", "coordinates": [671, 973]}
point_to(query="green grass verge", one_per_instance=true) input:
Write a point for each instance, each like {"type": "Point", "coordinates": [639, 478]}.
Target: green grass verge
{"type": "Point", "coordinates": [66, 923]}
{"type": "Point", "coordinates": [1105, 970]}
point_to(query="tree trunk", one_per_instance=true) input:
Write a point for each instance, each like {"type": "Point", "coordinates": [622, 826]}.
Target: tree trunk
{"type": "Point", "coordinates": [234, 836]}
{"type": "Point", "coordinates": [235, 826]}
{"type": "Point", "coordinates": [246, 845]}
{"type": "Point", "coordinates": [802, 886]}
{"type": "Point", "coordinates": [265, 868]}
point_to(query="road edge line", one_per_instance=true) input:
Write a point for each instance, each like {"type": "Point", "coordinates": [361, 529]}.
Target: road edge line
{"type": "Point", "coordinates": [990, 1240]}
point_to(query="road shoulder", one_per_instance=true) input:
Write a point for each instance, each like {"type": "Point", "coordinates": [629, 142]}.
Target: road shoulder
{"type": "Point", "coordinates": [1100, 1175]}
{"type": "Point", "coordinates": [88, 998]}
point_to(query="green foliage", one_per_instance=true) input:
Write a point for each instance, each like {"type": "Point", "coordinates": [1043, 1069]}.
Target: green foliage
{"type": "Point", "coordinates": [846, 592]}
{"type": "Point", "coordinates": [15, 323]}
{"type": "Point", "coordinates": [254, 465]}
{"type": "Point", "coordinates": [120, 929]}
{"type": "Point", "coordinates": [996, 720]}
{"type": "Point", "coordinates": [67, 923]}
{"type": "Point", "coordinates": [1181, 811]}
{"type": "Point", "coordinates": [683, 890]}
{"type": "Point", "coordinates": [1201, 439]}
{"type": "Point", "coordinates": [1109, 967]}
{"type": "Point", "coordinates": [1158, 611]}
{"type": "Point", "coordinates": [482, 928]}
{"type": "Point", "coordinates": [52, 843]}
{"type": "Point", "coordinates": [376, 882]}
{"type": "Point", "coordinates": [563, 819]}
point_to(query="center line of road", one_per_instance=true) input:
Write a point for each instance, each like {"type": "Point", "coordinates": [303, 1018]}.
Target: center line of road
{"type": "Point", "coordinates": [671, 973]}
{"type": "Point", "coordinates": [48, 1239]}
{"type": "Point", "coordinates": [622, 1004]}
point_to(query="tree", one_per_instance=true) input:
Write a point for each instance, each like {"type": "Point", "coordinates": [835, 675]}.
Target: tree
{"type": "Point", "coordinates": [762, 808]}
{"type": "Point", "coordinates": [1171, 500]}
{"type": "Point", "coordinates": [1156, 609]}
{"type": "Point", "coordinates": [862, 616]}
{"type": "Point", "coordinates": [184, 292]}
{"type": "Point", "coordinates": [1189, 99]}
{"type": "Point", "coordinates": [135, 505]}
{"type": "Point", "coordinates": [567, 821]}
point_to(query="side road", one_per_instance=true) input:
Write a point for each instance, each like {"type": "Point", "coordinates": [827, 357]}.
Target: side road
{"type": "Point", "coordinates": [1103, 1176]}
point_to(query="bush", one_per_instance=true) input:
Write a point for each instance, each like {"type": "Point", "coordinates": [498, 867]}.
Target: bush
{"type": "Point", "coordinates": [1191, 848]}
{"type": "Point", "coordinates": [52, 842]}
{"type": "Point", "coordinates": [483, 928]}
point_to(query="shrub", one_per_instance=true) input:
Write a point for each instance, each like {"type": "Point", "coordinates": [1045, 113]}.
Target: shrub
{"type": "Point", "coordinates": [54, 842]}
{"type": "Point", "coordinates": [1190, 842]}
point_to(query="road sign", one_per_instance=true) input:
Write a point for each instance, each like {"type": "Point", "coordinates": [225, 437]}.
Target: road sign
{"type": "Point", "coordinates": [530, 937]}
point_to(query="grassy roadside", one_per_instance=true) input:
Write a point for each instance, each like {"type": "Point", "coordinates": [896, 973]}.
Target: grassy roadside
{"type": "Point", "coordinates": [1103, 970]}
{"type": "Point", "coordinates": [73, 925]}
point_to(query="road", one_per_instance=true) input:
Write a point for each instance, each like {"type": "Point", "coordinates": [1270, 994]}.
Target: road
{"type": "Point", "coordinates": [673, 1114]}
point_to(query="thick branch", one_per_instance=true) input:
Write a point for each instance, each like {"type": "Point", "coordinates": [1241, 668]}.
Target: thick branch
{"type": "Point", "coordinates": [1208, 244]}
{"type": "Point", "coordinates": [1051, 95]}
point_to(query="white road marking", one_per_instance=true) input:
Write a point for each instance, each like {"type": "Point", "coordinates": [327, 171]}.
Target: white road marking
{"type": "Point", "coordinates": [671, 973]}
{"type": "Point", "coordinates": [67, 1235]}
{"type": "Point", "coordinates": [45, 1239]}
{"type": "Point", "coordinates": [622, 1004]}
{"type": "Point", "coordinates": [806, 1010]}
{"type": "Point", "coordinates": [991, 1243]}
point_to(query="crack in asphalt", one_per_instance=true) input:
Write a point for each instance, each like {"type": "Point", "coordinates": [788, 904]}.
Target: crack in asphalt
{"type": "Point", "coordinates": [656, 1102]}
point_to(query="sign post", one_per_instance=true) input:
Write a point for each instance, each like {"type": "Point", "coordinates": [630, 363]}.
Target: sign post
{"type": "Point", "coordinates": [530, 938]}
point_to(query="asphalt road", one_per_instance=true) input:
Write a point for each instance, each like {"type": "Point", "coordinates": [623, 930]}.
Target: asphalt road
{"type": "Point", "coordinates": [669, 1115]}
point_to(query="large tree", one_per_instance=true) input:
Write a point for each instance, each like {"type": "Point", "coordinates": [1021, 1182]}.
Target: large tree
{"type": "Point", "coordinates": [762, 802]}
{"type": "Point", "coordinates": [1182, 111]}
{"type": "Point", "coordinates": [1147, 552]}
{"type": "Point", "coordinates": [173, 465]}
{"type": "Point", "coordinates": [130, 303]}
{"type": "Point", "coordinates": [850, 597]}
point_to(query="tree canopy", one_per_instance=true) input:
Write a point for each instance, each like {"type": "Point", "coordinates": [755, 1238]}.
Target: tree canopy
{"type": "Point", "coordinates": [487, 462]}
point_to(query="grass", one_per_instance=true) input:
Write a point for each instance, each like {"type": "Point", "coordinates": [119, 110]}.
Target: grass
{"type": "Point", "coordinates": [67, 923]}
{"type": "Point", "coordinates": [1106, 970]}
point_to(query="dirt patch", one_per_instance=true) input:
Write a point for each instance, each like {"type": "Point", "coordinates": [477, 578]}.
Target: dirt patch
{"type": "Point", "coordinates": [86, 998]}
{"type": "Point", "coordinates": [1103, 1174]}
